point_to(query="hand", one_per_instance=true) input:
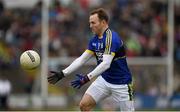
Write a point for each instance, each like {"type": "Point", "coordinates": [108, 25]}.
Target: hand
{"type": "Point", "coordinates": [55, 77]}
{"type": "Point", "coordinates": [80, 81]}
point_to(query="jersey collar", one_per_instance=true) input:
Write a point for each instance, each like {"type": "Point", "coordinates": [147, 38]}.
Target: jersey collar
{"type": "Point", "coordinates": [104, 34]}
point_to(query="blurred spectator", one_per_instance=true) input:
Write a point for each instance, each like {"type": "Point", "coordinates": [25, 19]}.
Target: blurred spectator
{"type": "Point", "coordinates": [1, 7]}
{"type": "Point", "coordinates": [5, 89]}
{"type": "Point", "coordinates": [177, 48]}
{"type": "Point", "coordinates": [177, 33]}
{"type": "Point", "coordinates": [5, 23]}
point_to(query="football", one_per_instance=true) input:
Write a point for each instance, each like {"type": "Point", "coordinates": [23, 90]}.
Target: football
{"type": "Point", "coordinates": [29, 59]}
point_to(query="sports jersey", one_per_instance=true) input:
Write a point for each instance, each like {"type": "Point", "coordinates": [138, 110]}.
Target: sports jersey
{"type": "Point", "coordinates": [111, 43]}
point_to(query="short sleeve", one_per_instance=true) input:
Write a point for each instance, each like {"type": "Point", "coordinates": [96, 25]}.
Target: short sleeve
{"type": "Point", "coordinates": [116, 43]}
{"type": "Point", "coordinates": [112, 43]}
{"type": "Point", "coordinates": [90, 45]}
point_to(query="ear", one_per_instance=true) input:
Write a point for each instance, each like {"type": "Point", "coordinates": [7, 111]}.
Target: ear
{"type": "Point", "coordinates": [104, 22]}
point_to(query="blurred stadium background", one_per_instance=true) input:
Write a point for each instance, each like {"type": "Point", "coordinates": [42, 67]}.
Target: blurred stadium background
{"type": "Point", "coordinates": [58, 30]}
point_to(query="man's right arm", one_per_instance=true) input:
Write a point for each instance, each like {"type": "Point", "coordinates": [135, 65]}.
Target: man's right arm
{"type": "Point", "coordinates": [78, 62]}
{"type": "Point", "coordinates": [54, 76]}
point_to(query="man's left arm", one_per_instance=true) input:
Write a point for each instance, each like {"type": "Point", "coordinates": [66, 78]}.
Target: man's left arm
{"type": "Point", "coordinates": [103, 66]}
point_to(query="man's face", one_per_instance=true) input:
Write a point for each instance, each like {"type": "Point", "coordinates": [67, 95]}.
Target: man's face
{"type": "Point", "coordinates": [95, 24]}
